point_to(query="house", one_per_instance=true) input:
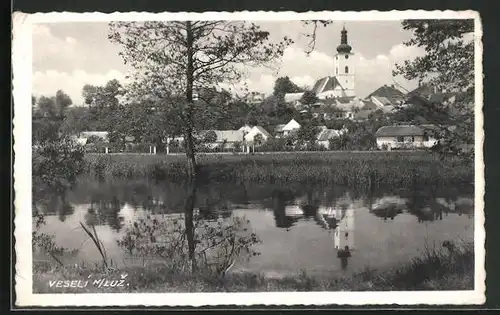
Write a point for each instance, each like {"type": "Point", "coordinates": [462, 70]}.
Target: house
{"type": "Point", "coordinates": [287, 129]}
{"type": "Point", "coordinates": [254, 132]}
{"type": "Point", "coordinates": [86, 135]}
{"type": "Point", "coordinates": [324, 136]}
{"type": "Point", "coordinates": [255, 98]}
{"type": "Point", "coordinates": [405, 137]}
{"type": "Point", "coordinates": [387, 95]}
{"type": "Point", "coordinates": [293, 98]}
{"type": "Point", "coordinates": [228, 138]}
{"type": "Point", "coordinates": [362, 115]}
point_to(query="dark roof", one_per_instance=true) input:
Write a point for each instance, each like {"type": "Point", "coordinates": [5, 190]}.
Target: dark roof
{"type": "Point", "coordinates": [402, 130]}
{"type": "Point", "coordinates": [390, 92]}
{"type": "Point", "coordinates": [329, 83]}
{"type": "Point", "coordinates": [422, 90]}
{"type": "Point", "coordinates": [363, 114]}
{"type": "Point", "coordinates": [263, 131]}
{"type": "Point", "coordinates": [369, 105]}
{"type": "Point", "coordinates": [345, 99]}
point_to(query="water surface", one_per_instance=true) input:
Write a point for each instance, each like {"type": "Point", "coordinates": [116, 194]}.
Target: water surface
{"type": "Point", "coordinates": [321, 230]}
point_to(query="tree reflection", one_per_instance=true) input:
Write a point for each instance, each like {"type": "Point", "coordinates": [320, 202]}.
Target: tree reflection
{"type": "Point", "coordinates": [105, 212]}
{"type": "Point", "coordinates": [280, 200]}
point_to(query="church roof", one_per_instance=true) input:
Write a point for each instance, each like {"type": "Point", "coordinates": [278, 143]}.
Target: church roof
{"type": "Point", "coordinates": [344, 47]}
{"type": "Point", "coordinates": [326, 84]}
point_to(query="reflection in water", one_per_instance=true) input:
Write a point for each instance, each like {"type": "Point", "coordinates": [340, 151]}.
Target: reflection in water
{"type": "Point", "coordinates": [318, 221]}
{"type": "Point", "coordinates": [284, 215]}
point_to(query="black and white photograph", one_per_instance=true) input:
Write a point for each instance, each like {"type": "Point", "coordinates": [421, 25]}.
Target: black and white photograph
{"type": "Point", "coordinates": [180, 158]}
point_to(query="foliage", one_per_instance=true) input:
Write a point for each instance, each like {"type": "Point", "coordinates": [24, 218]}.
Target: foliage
{"type": "Point", "coordinates": [56, 164]}
{"type": "Point", "coordinates": [48, 115]}
{"type": "Point", "coordinates": [308, 98]}
{"type": "Point", "coordinates": [218, 244]}
{"type": "Point", "coordinates": [210, 137]}
{"type": "Point", "coordinates": [448, 64]}
{"type": "Point", "coordinates": [45, 242]}
{"type": "Point", "coordinates": [284, 85]}
{"type": "Point", "coordinates": [258, 139]}
{"type": "Point", "coordinates": [307, 133]}
{"type": "Point", "coordinates": [176, 58]}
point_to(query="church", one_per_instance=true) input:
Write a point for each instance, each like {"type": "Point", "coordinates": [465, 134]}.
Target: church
{"type": "Point", "coordinates": [338, 90]}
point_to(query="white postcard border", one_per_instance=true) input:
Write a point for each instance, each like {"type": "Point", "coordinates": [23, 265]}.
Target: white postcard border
{"type": "Point", "coordinates": [22, 85]}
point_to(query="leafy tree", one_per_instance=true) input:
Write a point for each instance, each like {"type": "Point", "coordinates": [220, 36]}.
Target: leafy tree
{"type": "Point", "coordinates": [258, 139]}
{"type": "Point", "coordinates": [210, 137]}
{"type": "Point", "coordinates": [284, 85]}
{"type": "Point", "coordinates": [308, 98]}
{"type": "Point", "coordinates": [307, 133]}
{"type": "Point", "coordinates": [448, 64]}
{"type": "Point", "coordinates": [103, 103]}
{"type": "Point", "coordinates": [75, 121]}
{"type": "Point", "coordinates": [62, 102]}
{"type": "Point", "coordinates": [173, 59]}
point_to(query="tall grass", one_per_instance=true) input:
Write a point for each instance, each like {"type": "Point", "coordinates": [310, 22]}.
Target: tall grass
{"type": "Point", "coordinates": [355, 169]}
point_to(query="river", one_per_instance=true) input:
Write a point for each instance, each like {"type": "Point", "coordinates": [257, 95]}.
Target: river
{"type": "Point", "coordinates": [317, 229]}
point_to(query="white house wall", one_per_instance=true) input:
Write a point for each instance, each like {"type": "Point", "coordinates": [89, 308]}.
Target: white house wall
{"type": "Point", "coordinates": [417, 143]}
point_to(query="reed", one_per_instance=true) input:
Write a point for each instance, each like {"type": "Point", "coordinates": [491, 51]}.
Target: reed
{"type": "Point", "coordinates": [355, 169]}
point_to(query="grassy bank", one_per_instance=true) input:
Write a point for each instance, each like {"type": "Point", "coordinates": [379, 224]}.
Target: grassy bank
{"type": "Point", "coordinates": [438, 269]}
{"type": "Point", "coordinates": [353, 169]}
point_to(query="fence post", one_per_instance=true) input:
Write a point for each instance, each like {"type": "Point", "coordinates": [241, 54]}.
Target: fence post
{"type": "Point", "coordinates": [154, 149]}
{"type": "Point", "coordinates": [106, 150]}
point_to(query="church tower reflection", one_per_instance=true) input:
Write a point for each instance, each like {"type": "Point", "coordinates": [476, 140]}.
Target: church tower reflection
{"type": "Point", "coordinates": [344, 235]}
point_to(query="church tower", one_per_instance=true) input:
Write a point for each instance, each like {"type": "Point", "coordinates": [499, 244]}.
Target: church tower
{"type": "Point", "coordinates": [345, 65]}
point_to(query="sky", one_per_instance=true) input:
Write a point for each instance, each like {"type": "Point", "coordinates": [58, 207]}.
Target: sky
{"type": "Point", "coordinates": [69, 55]}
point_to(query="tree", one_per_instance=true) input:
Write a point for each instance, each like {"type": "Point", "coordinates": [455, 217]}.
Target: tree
{"type": "Point", "coordinates": [258, 139]}
{"type": "Point", "coordinates": [284, 85]}
{"type": "Point", "coordinates": [173, 59]}
{"type": "Point", "coordinates": [103, 103]}
{"type": "Point", "coordinates": [308, 98]}
{"type": "Point", "coordinates": [210, 137]}
{"type": "Point", "coordinates": [448, 64]}
{"type": "Point", "coordinates": [62, 102]}
{"type": "Point", "coordinates": [75, 121]}
{"type": "Point", "coordinates": [307, 133]}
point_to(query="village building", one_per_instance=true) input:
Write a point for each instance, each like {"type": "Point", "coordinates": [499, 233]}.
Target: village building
{"type": "Point", "coordinates": [285, 130]}
{"type": "Point", "coordinates": [255, 98]}
{"type": "Point", "coordinates": [405, 137]}
{"type": "Point", "coordinates": [325, 135]}
{"type": "Point", "coordinates": [224, 138]}
{"type": "Point", "coordinates": [84, 137]}
{"type": "Point", "coordinates": [386, 98]}
{"type": "Point", "coordinates": [255, 133]}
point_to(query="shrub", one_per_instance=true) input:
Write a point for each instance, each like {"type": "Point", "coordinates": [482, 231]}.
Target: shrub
{"type": "Point", "coordinates": [56, 164]}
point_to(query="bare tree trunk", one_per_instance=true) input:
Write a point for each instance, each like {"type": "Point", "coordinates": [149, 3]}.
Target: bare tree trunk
{"type": "Point", "coordinates": [188, 221]}
{"type": "Point", "coordinates": [190, 149]}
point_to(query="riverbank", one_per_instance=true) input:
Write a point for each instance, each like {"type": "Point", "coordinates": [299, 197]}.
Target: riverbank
{"type": "Point", "coordinates": [402, 169]}
{"type": "Point", "coordinates": [450, 268]}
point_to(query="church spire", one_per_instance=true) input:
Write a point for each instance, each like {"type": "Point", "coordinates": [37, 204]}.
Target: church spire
{"type": "Point", "coordinates": [344, 47]}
